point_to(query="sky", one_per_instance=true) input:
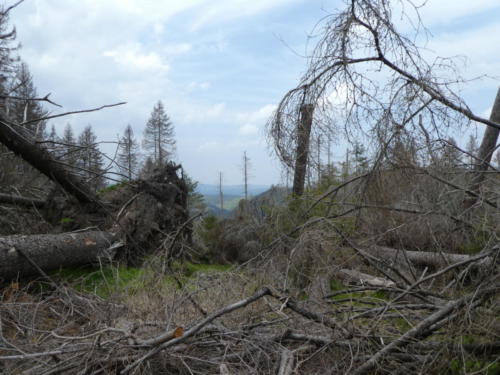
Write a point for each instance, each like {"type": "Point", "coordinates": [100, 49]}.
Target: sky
{"type": "Point", "coordinates": [220, 67]}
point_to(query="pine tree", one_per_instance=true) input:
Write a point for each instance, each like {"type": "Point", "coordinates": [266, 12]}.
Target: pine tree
{"type": "Point", "coordinates": [360, 159]}
{"type": "Point", "coordinates": [21, 109]}
{"type": "Point", "coordinates": [159, 135]}
{"type": "Point", "coordinates": [472, 148]}
{"type": "Point", "coordinates": [128, 154]}
{"type": "Point", "coordinates": [450, 155]}
{"type": "Point", "coordinates": [53, 139]}
{"type": "Point", "coordinates": [147, 168]}
{"type": "Point", "coordinates": [90, 161]}
{"type": "Point", "coordinates": [68, 149]}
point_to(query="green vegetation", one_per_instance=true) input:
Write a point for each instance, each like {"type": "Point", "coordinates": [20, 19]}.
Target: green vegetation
{"type": "Point", "coordinates": [470, 366]}
{"type": "Point", "coordinates": [112, 187]}
{"type": "Point", "coordinates": [66, 220]}
{"type": "Point", "coordinates": [192, 268]}
{"type": "Point", "coordinates": [103, 281]}
{"type": "Point", "coordinates": [109, 280]}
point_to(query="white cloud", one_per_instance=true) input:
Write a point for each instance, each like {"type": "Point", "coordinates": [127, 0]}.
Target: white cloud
{"type": "Point", "coordinates": [209, 146]}
{"type": "Point", "coordinates": [260, 116]}
{"type": "Point", "coordinates": [198, 85]}
{"type": "Point", "coordinates": [436, 12]}
{"type": "Point", "coordinates": [132, 56]}
{"type": "Point", "coordinates": [216, 110]}
{"type": "Point", "coordinates": [249, 129]}
{"type": "Point", "coordinates": [254, 121]}
{"type": "Point", "coordinates": [211, 12]}
{"type": "Point", "coordinates": [175, 49]}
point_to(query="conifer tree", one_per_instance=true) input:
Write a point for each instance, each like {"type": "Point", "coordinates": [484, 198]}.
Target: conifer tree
{"type": "Point", "coordinates": [22, 109]}
{"type": "Point", "coordinates": [68, 149]}
{"type": "Point", "coordinates": [128, 154]}
{"type": "Point", "coordinates": [159, 135]}
{"type": "Point", "coordinates": [90, 161]}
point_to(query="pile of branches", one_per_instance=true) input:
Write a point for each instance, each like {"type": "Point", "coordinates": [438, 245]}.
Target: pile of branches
{"type": "Point", "coordinates": [254, 321]}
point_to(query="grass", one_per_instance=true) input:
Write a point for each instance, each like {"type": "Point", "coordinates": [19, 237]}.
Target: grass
{"type": "Point", "coordinates": [104, 281]}
{"type": "Point", "coordinates": [108, 280]}
{"type": "Point", "coordinates": [471, 366]}
{"type": "Point", "coordinates": [111, 187]}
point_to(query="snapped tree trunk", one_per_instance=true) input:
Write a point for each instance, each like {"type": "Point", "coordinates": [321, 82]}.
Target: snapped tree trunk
{"type": "Point", "coordinates": [43, 161]}
{"type": "Point", "coordinates": [49, 252]}
{"type": "Point", "coordinates": [303, 135]}
{"type": "Point", "coordinates": [487, 147]}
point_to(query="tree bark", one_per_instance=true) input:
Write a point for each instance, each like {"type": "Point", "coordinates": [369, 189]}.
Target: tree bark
{"type": "Point", "coordinates": [49, 252]}
{"type": "Point", "coordinates": [357, 277]}
{"type": "Point", "coordinates": [487, 147]}
{"type": "Point", "coordinates": [420, 258]}
{"type": "Point", "coordinates": [303, 135]}
{"type": "Point", "coordinates": [43, 161]}
{"type": "Point", "coordinates": [21, 201]}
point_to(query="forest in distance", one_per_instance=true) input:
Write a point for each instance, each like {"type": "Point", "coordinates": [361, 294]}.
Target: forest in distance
{"type": "Point", "coordinates": [383, 261]}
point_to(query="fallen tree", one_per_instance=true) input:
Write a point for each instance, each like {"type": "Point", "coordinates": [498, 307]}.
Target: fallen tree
{"type": "Point", "coordinates": [19, 254]}
{"type": "Point", "coordinates": [153, 209]}
{"type": "Point", "coordinates": [44, 162]}
{"type": "Point", "coordinates": [421, 258]}
{"type": "Point", "coordinates": [21, 201]}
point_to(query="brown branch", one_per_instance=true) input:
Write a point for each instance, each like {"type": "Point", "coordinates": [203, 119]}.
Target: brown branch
{"type": "Point", "coordinates": [194, 329]}
{"type": "Point", "coordinates": [72, 113]}
{"type": "Point", "coordinates": [44, 99]}
{"type": "Point", "coordinates": [421, 330]}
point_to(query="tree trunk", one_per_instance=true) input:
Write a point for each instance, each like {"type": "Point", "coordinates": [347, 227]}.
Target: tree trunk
{"type": "Point", "coordinates": [487, 147]}
{"type": "Point", "coordinates": [303, 135]}
{"type": "Point", "coordinates": [43, 161]}
{"type": "Point", "coordinates": [420, 258]}
{"type": "Point", "coordinates": [21, 201]}
{"type": "Point", "coordinates": [49, 252]}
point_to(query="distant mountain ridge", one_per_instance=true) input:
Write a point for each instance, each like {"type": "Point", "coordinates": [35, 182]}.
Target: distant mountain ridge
{"type": "Point", "coordinates": [208, 189]}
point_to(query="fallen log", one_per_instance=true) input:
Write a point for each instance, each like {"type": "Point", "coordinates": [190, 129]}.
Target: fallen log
{"type": "Point", "coordinates": [42, 160]}
{"type": "Point", "coordinates": [50, 252]}
{"type": "Point", "coordinates": [360, 278]}
{"type": "Point", "coordinates": [21, 201]}
{"type": "Point", "coordinates": [421, 258]}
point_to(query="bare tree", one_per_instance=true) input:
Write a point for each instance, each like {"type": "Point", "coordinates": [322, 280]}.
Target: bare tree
{"type": "Point", "coordinates": [246, 170]}
{"type": "Point", "coordinates": [379, 80]}
{"type": "Point", "coordinates": [488, 145]}
{"type": "Point", "coordinates": [221, 194]}
{"type": "Point", "coordinates": [303, 135]}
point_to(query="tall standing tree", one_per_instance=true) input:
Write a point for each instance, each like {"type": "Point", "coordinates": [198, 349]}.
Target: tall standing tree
{"type": "Point", "coordinates": [246, 169]}
{"type": "Point", "coordinates": [159, 135]}
{"type": "Point", "coordinates": [128, 154]}
{"type": "Point", "coordinates": [472, 148]}
{"type": "Point", "coordinates": [68, 148]}
{"type": "Point", "coordinates": [90, 160]}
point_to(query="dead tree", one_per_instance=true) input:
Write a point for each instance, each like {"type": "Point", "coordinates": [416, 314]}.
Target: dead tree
{"type": "Point", "coordinates": [488, 146]}
{"type": "Point", "coordinates": [44, 162]}
{"type": "Point", "coordinates": [21, 201]}
{"type": "Point", "coordinates": [302, 153]}
{"type": "Point", "coordinates": [19, 254]}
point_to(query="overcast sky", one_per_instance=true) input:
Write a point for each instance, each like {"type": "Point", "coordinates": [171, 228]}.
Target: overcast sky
{"type": "Point", "coordinates": [220, 67]}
